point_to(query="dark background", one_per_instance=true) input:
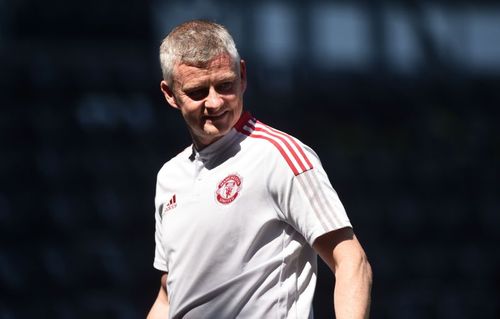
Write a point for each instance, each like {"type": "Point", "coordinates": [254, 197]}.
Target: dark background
{"type": "Point", "coordinates": [400, 99]}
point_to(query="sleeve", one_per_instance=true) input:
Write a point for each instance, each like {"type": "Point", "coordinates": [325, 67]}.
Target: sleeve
{"type": "Point", "coordinates": [309, 203]}
{"type": "Point", "coordinates": [160, 261]}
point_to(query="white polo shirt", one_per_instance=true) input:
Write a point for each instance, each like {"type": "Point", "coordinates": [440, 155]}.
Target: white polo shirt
{"type": "Point", "coordinates": [235, 224]}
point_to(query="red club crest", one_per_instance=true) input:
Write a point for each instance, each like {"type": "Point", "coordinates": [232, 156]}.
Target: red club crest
{"type": "Point", "coordinates": [228, 189]}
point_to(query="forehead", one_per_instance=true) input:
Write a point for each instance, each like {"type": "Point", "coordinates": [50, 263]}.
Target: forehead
{"type": "Point", "coordinates": [221, 66]}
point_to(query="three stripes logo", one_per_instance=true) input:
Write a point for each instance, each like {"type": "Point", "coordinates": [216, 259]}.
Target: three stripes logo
{"type": "Point", "coordinates": [171, 204]}
{"type": "Point", "coordinates": [164, 208]}
{"type": "Point", "coordinates": [289, 148]}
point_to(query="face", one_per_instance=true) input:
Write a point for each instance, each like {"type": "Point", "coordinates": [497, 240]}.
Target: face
{"type": "Point", "coordinates": [209, 98]}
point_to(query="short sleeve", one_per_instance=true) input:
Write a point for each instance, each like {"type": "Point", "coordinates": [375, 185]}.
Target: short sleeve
{"type": "Point", "coordinates": [160, 261]}
{"type": "Point", "coordinates": [310, 204]}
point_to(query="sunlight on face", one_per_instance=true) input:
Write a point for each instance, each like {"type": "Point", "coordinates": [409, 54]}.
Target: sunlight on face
{"type": "Point", "coordinates": [210, 97]}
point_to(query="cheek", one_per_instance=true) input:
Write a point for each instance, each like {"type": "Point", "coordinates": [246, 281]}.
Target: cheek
{"type": "Point", "coordinates": [188, 107]}
{"type": "Point", "coordinates": [191, 113]}
{"type": "Point", "coordinates": [232, 99]}
{"type": "Point", "coordinates": [188, 115]}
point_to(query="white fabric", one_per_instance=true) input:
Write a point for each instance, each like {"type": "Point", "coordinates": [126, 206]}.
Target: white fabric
{"type": "Point", "coordinates": [250, 256]}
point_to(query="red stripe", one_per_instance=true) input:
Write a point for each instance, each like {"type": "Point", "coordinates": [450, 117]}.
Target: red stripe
{"type": "Point", "coordinates": [241, 127]}
{"type": "Point", "coordinates": [276, 135]}
{"type": "Point", "coordinates": [294, 154]}
{"type": "Point", "coordinates": [294, 143]}
{"type": "Point", "coordinates": [280, 149]}
{"type": "Point", "coordinates": [244, 118]}
{"type": "Point", "coordinates": [285, 156]}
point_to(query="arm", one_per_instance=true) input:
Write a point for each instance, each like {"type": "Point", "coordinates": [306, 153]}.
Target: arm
{"type": "Point", "coordinates": [343, 253]}
{"type": "Point", "coordinates": [161, 304]}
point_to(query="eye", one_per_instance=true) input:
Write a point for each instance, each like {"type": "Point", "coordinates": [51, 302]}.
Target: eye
{"type": "Point", "coordinates": [225, 87]}
{"type": "Point", "coordinates": [197, 94]}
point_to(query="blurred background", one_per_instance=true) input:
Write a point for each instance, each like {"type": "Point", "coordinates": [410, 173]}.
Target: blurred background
{"type": "Point", "coordinates": [400, 99]}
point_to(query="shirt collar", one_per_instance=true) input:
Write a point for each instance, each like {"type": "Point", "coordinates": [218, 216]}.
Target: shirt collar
{"type": "Point", "coordinates": [221, 144]}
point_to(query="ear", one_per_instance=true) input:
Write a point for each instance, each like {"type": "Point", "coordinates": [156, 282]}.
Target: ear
{"type": "Point", "coordinates": [169, 94]}
{"type": "Point", "coordinates": [243, 76]}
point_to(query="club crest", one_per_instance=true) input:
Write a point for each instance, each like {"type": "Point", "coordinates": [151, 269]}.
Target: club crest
{"type": "Point", "coordinates": [228, 189]}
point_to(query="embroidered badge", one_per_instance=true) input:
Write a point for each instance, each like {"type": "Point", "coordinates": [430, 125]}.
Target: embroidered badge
{"type": "Point", "coordinates": [228, 189]}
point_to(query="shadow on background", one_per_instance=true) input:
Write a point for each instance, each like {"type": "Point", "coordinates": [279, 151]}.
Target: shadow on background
{"type": "Point", "coordinates": [400, 100]}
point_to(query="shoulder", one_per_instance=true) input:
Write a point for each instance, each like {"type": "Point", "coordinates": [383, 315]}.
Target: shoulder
{"type": "Point", "coordinates": [175, 162]}
{"type": "Point", "coordinates": [273, 143]}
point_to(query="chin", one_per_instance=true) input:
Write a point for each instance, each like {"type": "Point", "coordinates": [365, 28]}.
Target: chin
{"type": "Point", "coordinates": [218, 128]}
{"type": "Point", "coordinates": [216, 132]}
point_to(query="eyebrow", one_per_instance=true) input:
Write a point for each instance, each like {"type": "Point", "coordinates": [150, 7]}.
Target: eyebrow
{"type": "Point", "coordinates": [228, 77]}
{"type": "Point", "coordinates": [195, 86]}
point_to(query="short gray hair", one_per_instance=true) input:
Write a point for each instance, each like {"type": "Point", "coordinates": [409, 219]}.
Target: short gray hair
{"type": "Point", "coordinates": [195, 43]}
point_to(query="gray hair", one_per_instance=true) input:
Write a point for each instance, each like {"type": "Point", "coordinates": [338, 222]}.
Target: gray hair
{"type": "Point", "coordinates": [195, 43]}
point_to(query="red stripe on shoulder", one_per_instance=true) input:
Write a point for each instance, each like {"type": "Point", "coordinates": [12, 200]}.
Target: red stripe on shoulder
{"type": "Point", "coordinates": [297, 146]}
{"type": "Point", "coordinates": [280, 149]}
{"type": "Point", "coordinates": [294, 155]}
{"type": "Point", "coordinates": [262, 128]}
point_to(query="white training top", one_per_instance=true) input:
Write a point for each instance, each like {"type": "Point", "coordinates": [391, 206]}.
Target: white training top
{"type": "Point", "coordinates": [235, 224]}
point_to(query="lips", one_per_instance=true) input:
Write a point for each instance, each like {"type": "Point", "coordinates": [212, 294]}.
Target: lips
{"type": "Point", "coordinates": [215, 117]}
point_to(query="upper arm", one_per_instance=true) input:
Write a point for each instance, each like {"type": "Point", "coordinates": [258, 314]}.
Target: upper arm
{"type": "Point", "coordinates": [160, 308]}
{"type": "Point", "coordinates": [339, 246]}
{"type": "Point", "coordinates": [164, 282]}
{"type": "Point", "coordinates": [163, 293]}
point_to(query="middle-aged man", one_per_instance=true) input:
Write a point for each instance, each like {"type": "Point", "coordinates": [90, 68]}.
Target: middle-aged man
{"type": "Point", "coordinates": [242, 213]}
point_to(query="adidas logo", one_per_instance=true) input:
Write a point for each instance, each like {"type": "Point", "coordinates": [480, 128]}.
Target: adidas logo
{"type": "Point", "coordinates": [164, 208]}
{"type": "Point", "coordinates": [170, 205]}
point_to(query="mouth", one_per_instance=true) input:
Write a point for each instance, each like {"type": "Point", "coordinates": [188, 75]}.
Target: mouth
{"type": "Point", "coordinates": [216, 117]}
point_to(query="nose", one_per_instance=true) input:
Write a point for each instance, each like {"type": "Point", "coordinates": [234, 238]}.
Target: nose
{"type": "Point", "coordinates": [214, 100]}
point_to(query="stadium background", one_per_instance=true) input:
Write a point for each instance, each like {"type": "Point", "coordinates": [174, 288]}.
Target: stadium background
{"type": "Point", "coordinates": [399, 98]}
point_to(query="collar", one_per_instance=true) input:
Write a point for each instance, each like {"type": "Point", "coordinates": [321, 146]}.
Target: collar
{"type": "Point", "coordinates": [221, 144]}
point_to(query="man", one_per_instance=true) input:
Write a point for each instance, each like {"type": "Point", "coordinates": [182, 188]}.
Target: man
{"type": "Point", "coordinates": [242, 213]}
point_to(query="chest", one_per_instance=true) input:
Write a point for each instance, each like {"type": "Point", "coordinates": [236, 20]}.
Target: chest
{"type": "Point", "coordinates": [205, 202]}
